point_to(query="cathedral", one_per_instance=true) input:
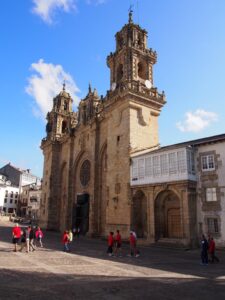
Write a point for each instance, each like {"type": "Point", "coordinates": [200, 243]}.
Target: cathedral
{"type": "Point", "coordinates": [87, 154]}
{"type": "Point", "coordinates": [104, 168]}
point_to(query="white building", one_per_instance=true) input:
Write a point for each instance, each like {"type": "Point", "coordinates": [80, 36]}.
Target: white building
{"type": "Point", "coordinates": [182, 189]}
{"type": "Point", "coordinates": [17, 178]}
{"type": "Point", "coordinates": [9, 195]}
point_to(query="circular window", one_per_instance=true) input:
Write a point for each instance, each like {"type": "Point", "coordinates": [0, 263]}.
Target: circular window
{"type": "Point", "coordinates": [85, 172]}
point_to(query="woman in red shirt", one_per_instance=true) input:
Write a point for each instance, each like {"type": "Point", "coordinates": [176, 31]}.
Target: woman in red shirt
{"type": "Point", "coordinates": [212, 248]}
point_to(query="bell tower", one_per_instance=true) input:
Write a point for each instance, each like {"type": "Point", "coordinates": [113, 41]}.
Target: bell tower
{"type": "Point", "coordinates": [131, 82]}
{"type": "Point", "coordinates": [132, 62]}
{"type": "Point", "coordinates": [61, 118]}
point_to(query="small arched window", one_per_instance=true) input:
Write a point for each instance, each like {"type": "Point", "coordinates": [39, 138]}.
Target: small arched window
{"type": "Point", "coordinates": [64, 126]}
{"type": "Point", "coordinates": [142, 70]}
{"type": "Point", "coordinates": [65, 105]}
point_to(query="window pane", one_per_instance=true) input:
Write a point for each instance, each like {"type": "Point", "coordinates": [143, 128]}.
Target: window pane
{"type": "Point", "coordinates": [172, 163]}
{"type": "Point", "coordinates": [204, 163]}
{"type": "Point", "coordinates": [211, 161]}
{"type": "Point", "coordinates": [212, 225]}
{"type": "Point", "coordinates": [135, 169]}
{"type": "Point", "coordinates": [181, 161]}
{"type": "Point", "coordinates": [211, 194]}
{"type": "Point", "coordinates": [156, 166]}
{"type": "Point", "coordinates": [208, 162]}
{"type": "Point", "coordinates": [164, 164]}
{"type": "Point", "coordinates": [141, 168]}
{"type": "Point", "coordinates": [148, 166]}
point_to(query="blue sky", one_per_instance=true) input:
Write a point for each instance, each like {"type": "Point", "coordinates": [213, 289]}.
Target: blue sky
{"type": "Point", "coordinates": [45, 41]}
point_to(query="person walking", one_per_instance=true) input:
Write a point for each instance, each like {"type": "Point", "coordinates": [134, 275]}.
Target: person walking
{"type": "Point", "coordinates": [133, 245]}
{"type": "Point", "coordinates": [27, 232]}
{"type": "Point", "coordinates": [110, 244]}
{"type": "Point", "coordinates": [118, 244]}
{"type": "Point", "coordinates": [70, 235]}
{"type": "Point", "coordinates": [39, 236]}
{"type": "Point", "coordinates": [23, 240]}
{"type": "Point", "coordinates": [31, 238]}
{"type": "Point", "coordinates": [212, 248]}
{"type": "Point", "coordinates": [16, 235]}
{"type": "Point", "coordinates": [204, 250]}
{"type": "Point", "coordinates": [65, 241]}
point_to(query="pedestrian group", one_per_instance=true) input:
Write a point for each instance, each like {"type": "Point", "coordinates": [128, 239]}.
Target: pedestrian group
{"type": "Point", "coordinates": [27, 238]}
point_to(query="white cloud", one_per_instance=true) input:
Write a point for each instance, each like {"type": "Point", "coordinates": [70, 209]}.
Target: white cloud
{"type": "Point", "coordinates": [95, 2]}
{"type": "Point", "coordinates": [46, 8]}
{"type": "Point", "coordinates": [197, 121]}
{"type": "Point", "coordinates": [45, 83]}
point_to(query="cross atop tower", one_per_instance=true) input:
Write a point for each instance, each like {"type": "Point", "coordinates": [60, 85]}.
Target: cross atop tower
{"type": "Point", "coordinates": [64, 85]}
{"type": "Point", "coordinates": [130, 14]}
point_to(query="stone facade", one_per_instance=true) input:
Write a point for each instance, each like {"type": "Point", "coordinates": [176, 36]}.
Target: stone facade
{"type": "Point", "coordinates": [211, 190]}
{"type": "Point", "coordinates": [178, 191]}
{"type": "Point", "coordinates": [87, 155]}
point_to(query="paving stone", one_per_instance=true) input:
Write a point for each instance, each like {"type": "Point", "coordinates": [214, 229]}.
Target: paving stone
{"type": "Point", "coordinates": [88, 273]}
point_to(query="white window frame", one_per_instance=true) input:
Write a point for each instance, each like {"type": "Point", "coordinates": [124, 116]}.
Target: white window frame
{"type": "Point", "coordinates": [156, 166]}
{"type": "Point", "coordinates": [148, 166]}
{"type": "Point", "coordinates": [208, 162]}
{"type": "Point", "coordinates": [211, 194]}
{"type": "Point", "coordinates": [135, 169]}
{"type": "Point", "coordinates": [164, 163]}
{"type": "Point", "coordinates": [172, 163]}
{"type": "Point", "coordinates": [141, 168]}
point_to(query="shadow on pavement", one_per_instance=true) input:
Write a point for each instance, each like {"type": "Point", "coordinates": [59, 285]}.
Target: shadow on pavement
{"type": "Point", "coordinates": [170, 260]}
{"type": "Point", "coordinates": [29, 285]}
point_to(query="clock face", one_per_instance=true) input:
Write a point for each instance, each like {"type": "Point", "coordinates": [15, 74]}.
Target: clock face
{"type": "Point", "coordinates": [148, 84]}
{"type": "Point", "coordinates": [113, 87]}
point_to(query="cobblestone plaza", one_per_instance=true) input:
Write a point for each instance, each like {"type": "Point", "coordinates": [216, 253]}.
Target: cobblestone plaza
{"type": "Point", "coordinates": [88, 273]}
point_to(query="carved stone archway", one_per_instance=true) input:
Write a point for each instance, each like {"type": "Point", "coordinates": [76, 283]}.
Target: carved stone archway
{"type": "Point", "coordinates": [168, 219]}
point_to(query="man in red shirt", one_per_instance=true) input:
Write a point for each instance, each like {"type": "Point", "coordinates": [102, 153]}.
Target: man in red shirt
{"type": "Point", "coordinates": [16, 234]}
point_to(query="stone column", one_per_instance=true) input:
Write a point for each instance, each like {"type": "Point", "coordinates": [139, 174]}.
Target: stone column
{"type": "Point", "coordinates": [151, 214]}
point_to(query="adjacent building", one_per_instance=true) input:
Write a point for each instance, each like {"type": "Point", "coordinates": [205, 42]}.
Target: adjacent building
{"type": "Point", "coordinates": [30, 201]}
{"type": "Point", "coordinates": [9, 196]}
{"type": "Point", "coordinates": [12, 181]}
{"type": "Point", "coordinates": [178, 191]}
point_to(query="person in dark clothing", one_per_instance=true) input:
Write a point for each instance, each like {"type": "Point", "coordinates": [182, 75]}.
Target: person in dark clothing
{"type": "Point", "coordinates": [32, 238]}
{"type": "Point", "coordinates": [23, 240]}
{"type": "Point", "coordinates": [212, 248]}
{"type": "Point", "coordinates": [204, 250]}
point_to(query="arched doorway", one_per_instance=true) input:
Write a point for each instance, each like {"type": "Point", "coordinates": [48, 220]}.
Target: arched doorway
{"type": "Point", "coordinates": [168, 221]}
{"type": "Point", "coordinates": [81, 213]}
{"type": "Point", "coordinates": [139, 214]}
